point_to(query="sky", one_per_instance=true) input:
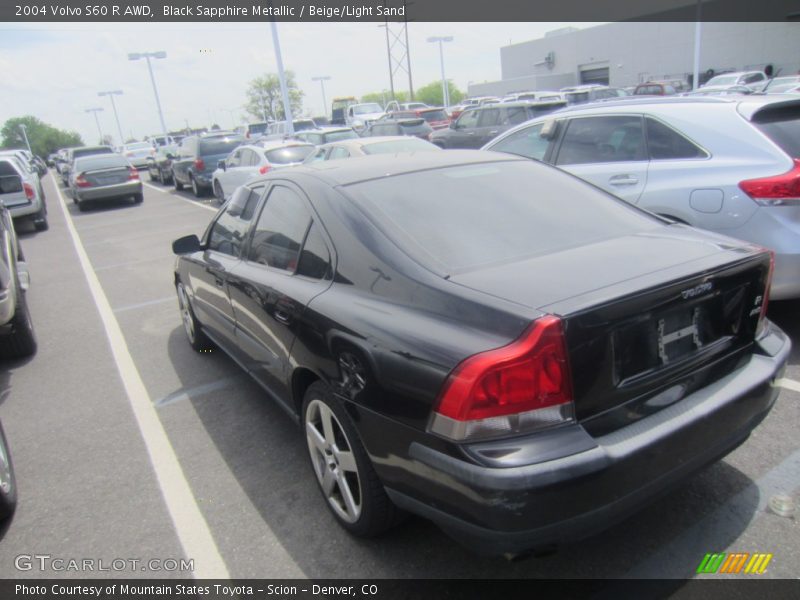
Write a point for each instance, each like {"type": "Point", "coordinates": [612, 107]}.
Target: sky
{"type": "Point", "coordinates": [54, 71]}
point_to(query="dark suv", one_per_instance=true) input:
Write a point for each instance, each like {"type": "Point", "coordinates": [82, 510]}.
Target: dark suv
{"type": "Point", "coordinates": [477, 126]}
{"type": "Point", "coordinates": [197, 159]}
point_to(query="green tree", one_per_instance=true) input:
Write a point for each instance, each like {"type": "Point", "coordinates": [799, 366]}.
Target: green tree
{"type": "Point", "coordinates": [264, 97]}
{"type": "Point", "coordinates": [431, 94]}
{"type": "Point", "coordinates": [44, 139]}
{"type": "Point", "coordinates": [385, 97]}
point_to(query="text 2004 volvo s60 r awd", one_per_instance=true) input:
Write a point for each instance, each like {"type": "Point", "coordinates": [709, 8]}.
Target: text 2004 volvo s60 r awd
{"type": "Point", "coordinates": [484, 341]}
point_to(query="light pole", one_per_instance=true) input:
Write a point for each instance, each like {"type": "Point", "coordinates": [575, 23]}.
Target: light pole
{"type": "Point", "coordinates": [147, 56]}
{"type": "Point", "coordinates": [287, 107]}
{"type": "Point", "coordinates": [445, 90]}
{"type": "Point", "coordinates": [96, 120]}
{"type": "Point", "coordinates": [111, 94]}
{"type": "Point", "coordinates": [322, 79]}
{"type": "Point", "coordinates": [23, 127]}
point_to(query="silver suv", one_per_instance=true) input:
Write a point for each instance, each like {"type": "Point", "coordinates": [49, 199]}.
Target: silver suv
{"type": "Point", "coordinates": [730, 165]}
{"type": "Point", "coordinates": [28, 202]}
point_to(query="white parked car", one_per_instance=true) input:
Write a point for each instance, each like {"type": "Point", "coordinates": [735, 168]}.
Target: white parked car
{"type": "Point", "coordinates": [727, 164]}
{"type": "Point", "coordinates": [138, 153]}
{"type": "Point", "coordinates": [755, 80]}
{"type": "Point", "coordinates": [359, 116]}
{"type": "Point", "coordinates": [249, 161]}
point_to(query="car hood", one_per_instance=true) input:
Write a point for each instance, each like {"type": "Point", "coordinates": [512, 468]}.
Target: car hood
{"type": "Point", "coordinates": [599, 272]}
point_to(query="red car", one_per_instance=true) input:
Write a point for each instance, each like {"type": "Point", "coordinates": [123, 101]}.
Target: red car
{"type": "Point", "coordinates": [436, 117]}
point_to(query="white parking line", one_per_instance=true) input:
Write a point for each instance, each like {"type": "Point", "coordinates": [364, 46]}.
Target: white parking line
{"type": "Point", "coordinates": [172, 298]}
{"type": "Point", "coordinates": [192, 202]}
{"type": "Point", "coordinates": [191, 527]}
{"type": "Point", "coordinates": [788, 384]}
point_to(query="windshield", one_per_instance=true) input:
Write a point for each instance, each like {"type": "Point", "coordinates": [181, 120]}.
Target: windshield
{"type": "Point", "coordinates": [463, 217]}
{"type": "Point", "coordinates": [363, 109]}
{"type": "Point", "coordinates": [723, 80]}
{"type": "Point", "coordinates": [410, 144]}
{"type": "Point", "coordinates": [336, 136]}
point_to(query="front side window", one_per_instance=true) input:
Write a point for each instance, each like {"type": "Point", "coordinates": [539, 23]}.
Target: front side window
{"type": "Point", "coordinates": [468, 120]}
{"type": "Point", "coordinates": [229, 232]}
{"type": "Point", "coordinates": [280, 230]}
{"type": "Point", "coordinates": [338, 152]}
{"type": "Point", "coordinates": [602, 139]}
{"type": "Point", "coordinates": [489, 117]}
{"type": "Point", "coordinates": [526, 142]}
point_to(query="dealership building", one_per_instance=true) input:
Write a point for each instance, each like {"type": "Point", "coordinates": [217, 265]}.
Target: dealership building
{"type": "Point", "coordinates": [624, 54]}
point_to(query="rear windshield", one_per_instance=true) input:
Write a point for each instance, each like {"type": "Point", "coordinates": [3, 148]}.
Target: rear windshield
{"type": "Point", "coordinates": [460, 218]}
{"type": "Point", "coordinates": [88, 151]}
{"type": "Point", "coordinates": [220, 145]}
{"type": "Point", "coordinates": [782, 126]}
{"type": "Point", "coordinates": [336, 136]}
{"type": "Point", "coordinates": [291, 154]}
{"type": "Point", "coordinates": [416, 125]}
{"type": "Point", "coordinates": [257, 127]}
{"type": "Point", "coordinates": [410, 144]}
{"type": "Point", "coordinates": [137, 146]}
{"type": "Point", "coordinates": [434, 115]}
{"type": "Point", "coordinates": [90, 163]}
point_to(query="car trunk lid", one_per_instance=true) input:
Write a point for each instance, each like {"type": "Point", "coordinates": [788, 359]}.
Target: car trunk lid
{"type": "Point", "coordinates": [643, 329]}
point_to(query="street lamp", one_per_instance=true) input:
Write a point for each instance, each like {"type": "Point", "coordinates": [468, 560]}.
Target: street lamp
{"type": "Point", "coordinates": [287, 107]}
{"type": "Point", "coordinates": [111, 94]}
{"type": "Point", "coordinates": [23, 127]}
{"type": "Point", "coordinates": [96, 120]}
{"type": "Point", "coordinates": [445, 90]}
{"type": "Point", "coordinates": [322, 79]}
{"type": "Point", "coordinates": [147, 56]}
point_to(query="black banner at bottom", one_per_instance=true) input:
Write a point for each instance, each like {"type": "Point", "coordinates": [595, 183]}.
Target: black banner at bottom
{"type": "Point", "coordinates": [390, 589]}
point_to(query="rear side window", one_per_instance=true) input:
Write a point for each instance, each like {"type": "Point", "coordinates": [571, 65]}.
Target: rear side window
{"type": "Point", "coordinates": [228, 233]}
{"type": "Point", "coordinates": [280, 230]}
{"type": "Point", "coordinates": [462, 217]}
{"type": "Point", "coordinates": [338, 152]}
{"type": "Point", "coordinates": [782, 126]}
{"type": "Point", "coordinates": [666, 143]}
{"type": "Point", "coordinates": [515, 115]}
{"type": "Point", "coordinates": [602, 140]}
{"type": "Point", "coordinates": [89, 151]}
{"type": "Point", "coordinates": [315, 259]}
{"type": "Point", "coordinates": [526, 142]}
{"type": "Point", "coordinates": [434, 115]}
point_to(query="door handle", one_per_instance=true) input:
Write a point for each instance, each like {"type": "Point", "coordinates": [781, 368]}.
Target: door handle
{"type": "Point", "coordinates": [470, 133]}
{"type": "Point", "coordinates": [282, 317]}
{"type": "Point", "coordinates": [218, 281]}
{"type": "Point", "coordinates": [493, 132]}
{"type": "Point", "coordinates": [623, 180]}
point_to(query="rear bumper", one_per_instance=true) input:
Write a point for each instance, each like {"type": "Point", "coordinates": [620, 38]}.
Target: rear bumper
{"type": "Point", "coordinates": [26, 210]}
{"type": "Point", "coordinates": [579, 485]}
{"type": "Point", "coordinates": [109, 192]}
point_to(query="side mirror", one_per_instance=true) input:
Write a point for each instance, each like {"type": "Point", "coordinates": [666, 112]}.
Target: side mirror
{"type": "Point", "coordinates": [453, 125]}
{"type": "Point", "coordinates": [221, 164]}
{"type": "Point", "coordinates": [170, 156]}
{"type": "Point", "coordinates": [549, 129]}
{"type": "Point", "coordinates": [186, 245]}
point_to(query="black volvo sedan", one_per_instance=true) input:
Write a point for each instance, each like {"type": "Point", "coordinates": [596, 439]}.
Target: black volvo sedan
{"type": "Point", "coordinates": [485, 341]}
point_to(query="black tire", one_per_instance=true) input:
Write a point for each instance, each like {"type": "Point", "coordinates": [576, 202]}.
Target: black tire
{"type": "Point", "coordinates": [150, 175]}
{"type": "Point", "coordinates": [178, 184]}
{"type": "Point", "coordinates": [218, 193]}
{"type": "Point", "coordinates": [8, 483]}
{"type": "Point", "coordinates": [198, 340]}
{"type": "Point", "coordinates": [21, 342]}
{"type": "Point", "coordinates": [138, 198]}
{"type": "Point", "coordinates": [82, 206]}
{"type": "Point", "coordinates": [376, 513]}
{"type": "Point", "coordinates": [165, 178]}
{"type": "Point", "coordinates": [196, 189]}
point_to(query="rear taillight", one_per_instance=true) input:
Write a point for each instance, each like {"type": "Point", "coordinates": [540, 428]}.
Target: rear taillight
{"type": "Point", "coordinates": [518, 388]}
{"type": "Point", "coordinates": [133, 174]}
{"type": "Point", "coordinates": [264, 169]}
{"type": "Point", "coordinates": [762, 317]}
{"type": "Point", "coordinates": [129, 154]}
{"type": "Point", "coordinates": [199, 165]}
{"type": "Point", "coordinates": [30, 193]}
{"type": "Point", "coordinates": [778, 190]}
{"type": "Point", "coordinates": [81, 181]}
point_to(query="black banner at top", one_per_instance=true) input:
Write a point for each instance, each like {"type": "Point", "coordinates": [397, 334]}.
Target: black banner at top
{"type": "Point", "coordinates": [396, 10]}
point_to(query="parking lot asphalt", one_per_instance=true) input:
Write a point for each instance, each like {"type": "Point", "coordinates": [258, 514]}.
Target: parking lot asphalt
{"type": "Point", "coordinates": [128, 444]}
